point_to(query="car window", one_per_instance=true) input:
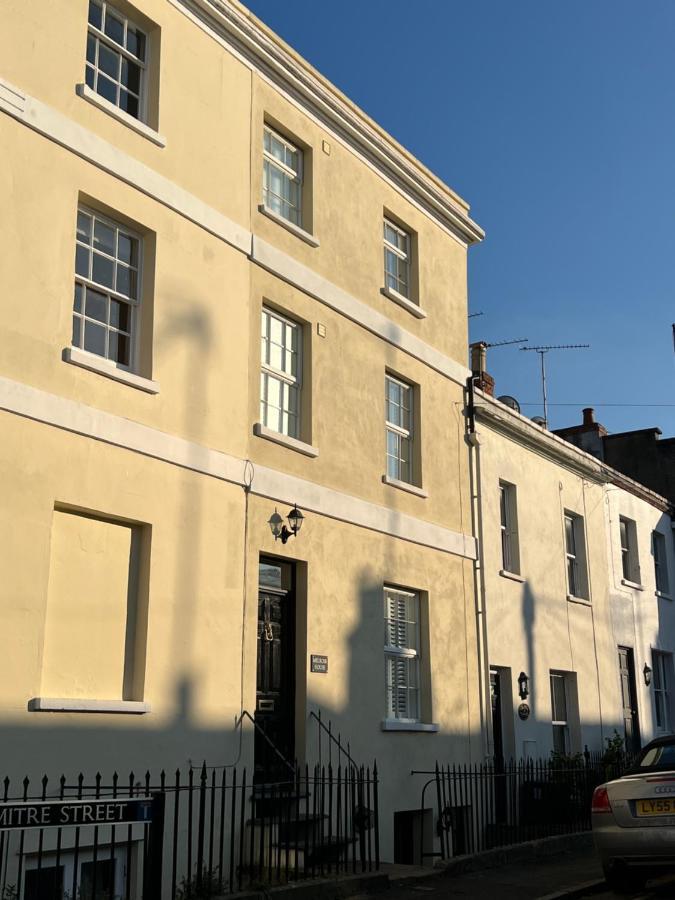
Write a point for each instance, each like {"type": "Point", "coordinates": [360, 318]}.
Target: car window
{"type": "Point", "coordinates": [660, 757]}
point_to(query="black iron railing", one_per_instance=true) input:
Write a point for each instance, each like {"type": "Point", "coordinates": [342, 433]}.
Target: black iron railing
{"type": "Point", "coordinates": [482, 806]}
{"type": "Point", "coordinates": [202, 833]}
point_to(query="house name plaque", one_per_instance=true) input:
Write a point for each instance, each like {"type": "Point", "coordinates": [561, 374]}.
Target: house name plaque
{"type": "Point", "coordinates": [318, 663]}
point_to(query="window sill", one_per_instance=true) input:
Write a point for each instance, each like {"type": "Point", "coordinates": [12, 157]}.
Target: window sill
{"type": "Point", "coordinates": [404, 486]}
{"type": "Point", "coordinates": [413, 308]}
{"type": "Point", "coordinates": [260, 430]}
{"type": "Point", "coordinates": [632, 584]}
{"type": "Point", "coordinates": [513, 576]}
{"type": "Point", "coordinates": [402, 725]}
{"type": "Point", "coordinates": [51, 704]}
{"type": "Point", "coordinates": [101, 366]}
{"type": "Point", "coordinates": [84, 91]}
{"type": "Point", "coordinates": [582, 600]}
{"type": "Point", "coordinates": [294, 229]}
{"type": "Point", "coordinates": [663, 595]}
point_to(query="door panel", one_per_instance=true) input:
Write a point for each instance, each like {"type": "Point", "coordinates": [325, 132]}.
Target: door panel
{"type": "Point", "coordinates": [275, 687]}
{"type": "Point", "coordinates": [629, 700]}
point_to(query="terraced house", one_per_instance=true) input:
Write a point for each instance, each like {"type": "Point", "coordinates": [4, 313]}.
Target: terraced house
{"type": "Point", "coordinates": [234, 306]}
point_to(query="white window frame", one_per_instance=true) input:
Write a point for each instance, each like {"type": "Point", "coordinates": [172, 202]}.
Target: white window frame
{"type": "Point", "coordinates": [660, 562]}
{"type": "Point", "coordinates": [575, 556]}
{"type": "Point", "coordinates": [100, 37]}
{"type": "Point", "coordinates": [560, 723]}
{"type": "Point", "coordinates": [402, 256]}
{"type": "Point", "coordinates": [630, 563]}
{"type": "Point", "coordinates": [88, 282]}
{"type": "Point", "coordinates": [508, 527]}
{"type": "Point", "coordinates": [403, 434]}
{"type": "Point", "coordinates": [287, 380]}
{"type": "Point", "coordinates": [401, 652]}
{"type": "Point", "coordinates": [292, 175]}
{"type": "Point", "coordinates": [661, 663]}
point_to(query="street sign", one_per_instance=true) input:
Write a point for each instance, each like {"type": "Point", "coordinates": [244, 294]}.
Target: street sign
{"type": "Point", "coordinates": [62, 813]}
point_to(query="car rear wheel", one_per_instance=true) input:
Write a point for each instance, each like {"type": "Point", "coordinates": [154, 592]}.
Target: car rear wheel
{"type": "Point", "coordinates": [623, 879]}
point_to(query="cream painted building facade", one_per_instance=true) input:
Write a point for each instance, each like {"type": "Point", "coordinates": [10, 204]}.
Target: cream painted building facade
{"type": "Point", "coordinates": [576, 571]}
{"type": "Point", "coordinates": [226, 291]}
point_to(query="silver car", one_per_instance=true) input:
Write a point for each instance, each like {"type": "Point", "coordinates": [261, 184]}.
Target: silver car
{"type": "Point", "coordinates": [634, 818]}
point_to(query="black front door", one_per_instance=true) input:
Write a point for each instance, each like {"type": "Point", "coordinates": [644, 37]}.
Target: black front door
{"type": "Point", "coordinates": [629, 700]}
{"type": "Point", "coordinates": [275, 686]}
{"type": "Point", "coordinates": [498, 744]}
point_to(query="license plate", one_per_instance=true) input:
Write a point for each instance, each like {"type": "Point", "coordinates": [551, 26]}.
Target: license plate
{"type": "Point", "coordinates": [660, 807]}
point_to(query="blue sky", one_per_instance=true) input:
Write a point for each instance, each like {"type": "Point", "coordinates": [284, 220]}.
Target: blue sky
{"type": "Point", "coordinates": [556, 122]}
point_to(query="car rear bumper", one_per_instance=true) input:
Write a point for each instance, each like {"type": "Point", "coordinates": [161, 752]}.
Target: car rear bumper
{"type": "Point", "coordinates": [654, 847]}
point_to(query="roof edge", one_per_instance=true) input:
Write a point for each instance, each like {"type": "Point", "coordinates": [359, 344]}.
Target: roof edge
{"type": "Point", "coordinates": [231, 20]}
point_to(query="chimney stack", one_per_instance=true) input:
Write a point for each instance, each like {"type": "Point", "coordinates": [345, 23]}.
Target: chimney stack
{"type": "Point", "coordinates": [478, 365]}
{"type": "Point", "coordinates": [589, 416]}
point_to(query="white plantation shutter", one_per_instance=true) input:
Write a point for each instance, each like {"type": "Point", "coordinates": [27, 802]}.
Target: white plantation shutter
{"type": "Point", "coordinates": [401, 619]}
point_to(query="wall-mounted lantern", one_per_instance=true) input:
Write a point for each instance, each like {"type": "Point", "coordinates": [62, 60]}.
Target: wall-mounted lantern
{"type": "Point", "coordinates": [647, 672]}
{"type": "Point", "coordinates": [523, 686]}
{"type": "Point", "coordinates": [278, 528]}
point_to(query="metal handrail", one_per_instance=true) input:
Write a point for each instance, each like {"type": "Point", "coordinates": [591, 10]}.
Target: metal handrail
{"type": "Point", "coordinates": [331, 737]}
{"type": "Point", "coordinates": [262, 731]}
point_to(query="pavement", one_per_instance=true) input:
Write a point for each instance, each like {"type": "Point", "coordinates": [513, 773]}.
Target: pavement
{"type": "Point", "coordinates": [550, 877]}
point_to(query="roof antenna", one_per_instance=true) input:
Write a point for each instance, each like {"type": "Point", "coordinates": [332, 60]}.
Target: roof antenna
{"type": "Point", "coordinates": [473, 316]}
{"type": "Point", "coordinates": [505, 343]}
{"type": "Point", "coordinates": [542, 351]}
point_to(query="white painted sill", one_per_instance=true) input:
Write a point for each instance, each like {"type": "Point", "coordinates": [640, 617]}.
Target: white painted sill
{"type": "Point", "coordinates": [404, 486]}
{"type": "Point", "coordinates": [581, 600]}
{"type": "Point", "coordinates": [413, 308]}
{"type": "Point", "coordinates": [101, 366]}
{"type": "Point", "coordinates": [512, 576]}
{"type": "Point", "coordinates": [260, 430]}
{"type": "Point", "coordinates": [632, 584]}
{"type": "Point", "coordinates": [398, 725]}
{"type": "Point", "coordinates": [290, 226]}
{"type": "Point", "coordinates": [663, 595]}
{"type": "Point", "coordinates": [52, 704]}
{"type": "Point", "coordinates": [84, 91]}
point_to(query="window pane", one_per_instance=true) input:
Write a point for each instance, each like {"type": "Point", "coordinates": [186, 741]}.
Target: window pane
{"type": "Point", "coordinates": [90, 77]}
{"type": "Point", "coordinates": [136, 42]}
{"type": "Point", "coordinates": [76, 331]}
{"type": "Point", "coordinates": [77, 304]}
{"type": "Point", "coordinates": [127, 249]}
{"type": "Point", "coordinates": [83, 227]}
{"type": "Point", "coordinates": [104, 237]}
{"type": "Point", "coordinates": [106, 88]}
{"type": "Point", "coordinates": [97, 306]}
{"type": "Point", "coordinates": [103, 270]}
{"type": "Point", "coordinates": [114, 28]}
{"type": "Point", "coordinates": [118, 348]}
{"type": "Point", "coordinates": [120, 315]}
{"type": "Point", "coordinates": [131, 76]}
{"type": "Point", "coordinates": [91, 48]}
{"type": "Point", "coordinates": [95, 14]}
{"type": "Point", "coordinates": [82, 261]}
{"type": "Point", "coordinates": [129, 103]}
{"type": "Point", "coordinates": [126, 281]}
{"type": "Point", "coordinates": [94, 338]}
{"type": "Point", "coordinates": [558, 698]}
{"type": "Point", "coordinates": [108, 61]}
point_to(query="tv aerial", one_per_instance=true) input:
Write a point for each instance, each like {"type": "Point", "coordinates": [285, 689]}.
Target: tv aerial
{"type": "Point", "coordinates": [542, 351]}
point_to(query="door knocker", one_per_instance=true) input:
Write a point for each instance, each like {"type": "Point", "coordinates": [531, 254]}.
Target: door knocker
{"type": "Point", "coordinates": [269, 635]}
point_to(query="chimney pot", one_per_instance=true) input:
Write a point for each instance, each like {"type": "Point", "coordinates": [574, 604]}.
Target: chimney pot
{"type": "Point", "coordinates": [589, 417]}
